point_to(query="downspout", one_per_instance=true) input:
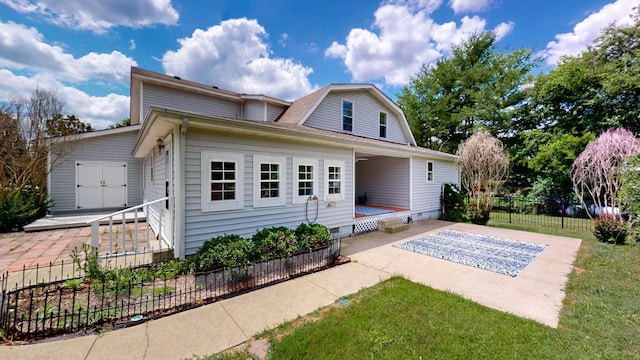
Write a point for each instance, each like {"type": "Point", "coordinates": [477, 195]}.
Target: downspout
{"type": "Point", "coordinates": [180, 132]}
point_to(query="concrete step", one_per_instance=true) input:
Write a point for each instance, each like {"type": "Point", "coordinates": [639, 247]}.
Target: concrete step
{"type": "Point", "coordinates": [392, 226]}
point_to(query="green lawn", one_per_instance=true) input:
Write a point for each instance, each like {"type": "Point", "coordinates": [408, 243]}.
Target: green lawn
{"type": "Point", "coordinates": [398, 319]}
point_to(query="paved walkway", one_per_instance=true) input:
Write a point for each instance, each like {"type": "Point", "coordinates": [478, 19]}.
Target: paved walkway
{"type": "Point", "coordinates": [536, 293]}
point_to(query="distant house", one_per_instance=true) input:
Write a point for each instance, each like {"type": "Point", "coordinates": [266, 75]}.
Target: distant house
{"type": "Point", "coordinates": [235, 163]}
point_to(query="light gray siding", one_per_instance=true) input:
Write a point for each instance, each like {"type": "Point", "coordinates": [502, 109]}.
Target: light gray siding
{"type": "Point", "coordinates": [385, 180]}
{"type": "Point", "coordinates": [106, 148]}
{"type": "Point", "coordinates": [154, 168]}
{"type": "Point", "coordinates": [254, 110]}
{"type": "Point", "coordinates": [201, 226]}
{"type": "Point", "coordinates": [189, 102]}
{"type": "Point", "coordinates": [273, 111]}
{"type": "Point", "coordinates": [366, 109]}
{"type": "Point", "coordinates": [426, 196]}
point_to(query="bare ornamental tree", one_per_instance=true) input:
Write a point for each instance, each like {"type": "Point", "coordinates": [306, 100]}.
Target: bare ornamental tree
{"type": "Point", "coordinates": [484, 166]}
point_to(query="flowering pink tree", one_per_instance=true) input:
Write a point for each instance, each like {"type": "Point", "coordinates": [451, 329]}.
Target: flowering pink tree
{"type": "Point", "coordinates": [596, 172]}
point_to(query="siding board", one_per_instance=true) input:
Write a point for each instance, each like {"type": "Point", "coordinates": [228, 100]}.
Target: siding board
{"type": "Point", "coordinates": [385, 180]}
{"type": "Point", "coordinates": [109, 147]}
{"type": "Point", "coordinates": [426, 196]}
{"type": "Point", "coordinates": [366, 109]}
{"type": "Point", "coordinates": [183, 101]}
{"type": "Point", "coordinates": [200, 226]}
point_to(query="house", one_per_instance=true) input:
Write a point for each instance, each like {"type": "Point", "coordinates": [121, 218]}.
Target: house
{"type": "Point", "coordinates": [234, 163]}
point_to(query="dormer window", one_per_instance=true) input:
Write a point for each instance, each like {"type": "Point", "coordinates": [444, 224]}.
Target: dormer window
{"type": "Point", "coordinates": [382, 120]}
{"type": "Point", "coordinates": [347, 115]}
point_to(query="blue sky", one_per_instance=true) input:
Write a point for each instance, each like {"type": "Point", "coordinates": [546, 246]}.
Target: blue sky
{"type": "Point", "coordinates": [83, 49]}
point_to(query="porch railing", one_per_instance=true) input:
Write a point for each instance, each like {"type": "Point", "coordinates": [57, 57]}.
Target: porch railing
{"type": "Point", "coordinates": [123, 228]}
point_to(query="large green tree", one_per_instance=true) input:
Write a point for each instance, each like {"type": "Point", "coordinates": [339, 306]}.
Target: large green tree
{"type": "Point", "coordinates": [476, 88]}
{"type": "Point", "coordinates": [598, 90]}
{"type": "Point", "coordinates": [577, 101]}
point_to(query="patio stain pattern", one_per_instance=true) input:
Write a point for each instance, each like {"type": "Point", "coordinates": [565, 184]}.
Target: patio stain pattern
{"type": "Point", "coordinates": [20, 250]}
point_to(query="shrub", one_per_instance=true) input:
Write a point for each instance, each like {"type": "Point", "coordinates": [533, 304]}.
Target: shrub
{"type": "Point", "coordinates": [231, 251]}
{"type": "Point", "coordinates": [277, 241]}
{"type": "Point", "coordinates": [630, 193]}
{"type": "Point", "coordinates": [453, 202]}
{"type": "Point", "coordinates": [224, 251]}
{"type": "Point", "coordinates": [312, 236]}
{"type": "Point", "coordinates": [609, 228]}
{"type": "Point", "coordinates": [19, 207]}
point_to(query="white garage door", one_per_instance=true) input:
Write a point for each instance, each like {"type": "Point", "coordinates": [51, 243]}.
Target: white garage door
{"type": "Point", "coordinates": [101, 185]}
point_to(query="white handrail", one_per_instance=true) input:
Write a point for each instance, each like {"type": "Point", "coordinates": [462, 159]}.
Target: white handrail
{"type": "Point", "coordinates": [95, 225]}
{"type": "Point", "coordinates": [128, 209]}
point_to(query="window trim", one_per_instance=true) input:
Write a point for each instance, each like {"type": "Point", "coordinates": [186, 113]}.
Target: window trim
{"type": "Point", "coordinates": [152, 169]}
{"type": "Point", "coordinates": [327, 165]}
{"type": "Point", "coordinates": [302, 199]}
{"type": "Point", "coordinates": [282, 181]}
{"type": "Point", "coordinates": [430, 173]}
{"type": "Point", "coordinates": [343, 115]}
{"type": "Point", "coordinates": [384, 126]}
{"type": "Point", "coordinates": [207, 205]}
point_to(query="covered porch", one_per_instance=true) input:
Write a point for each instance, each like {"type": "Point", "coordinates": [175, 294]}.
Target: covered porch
{"type": "Point", "coordinates": [382, 190]}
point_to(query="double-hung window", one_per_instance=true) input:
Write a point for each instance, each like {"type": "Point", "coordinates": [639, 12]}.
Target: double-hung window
{"type": "Point", "coordinates": [334, 180]}
{"type": "Point", "coordinates": [304, 179]}
{"type": "Point", "coordinates": [382, 120]}
{"type": "Point", "coordinates": [269, 181]}
{"type": "Point", "coordinates": [429, 171]}
{"type": "Point", "coordinates": [347, 115]}
{"type": "Point", "coordinates": [221, 181]}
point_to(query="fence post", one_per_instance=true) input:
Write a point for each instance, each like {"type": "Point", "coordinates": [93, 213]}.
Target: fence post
{"type": "Point", "coordinates": [510, 205]}
{"type": "Point", "coordinates": [95, 234]}
{"type": "Point", "coordinates": [562, 211]}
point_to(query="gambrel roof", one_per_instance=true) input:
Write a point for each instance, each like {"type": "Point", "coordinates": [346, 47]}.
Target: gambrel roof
{"type": "Point", "coordinates": [301, 109]}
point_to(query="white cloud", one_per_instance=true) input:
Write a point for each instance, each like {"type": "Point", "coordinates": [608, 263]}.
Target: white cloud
{"type": "Point", "coordinates": [449, 34]}
{"type": "Point", "coordinates": [283, 39]}
{"type": "Point", "coordinates": [574, 43]}
{"type": "Point", "coordinates": [132, 44]}
{"type": "Point", "coordinates": [427, 5]}
{"type": "Point", "coordinates": [27, 61]}
{"type": "Point", "coordinates": [404, 37]}
{"type": "Point", "coordinates": [23, 48]}
{"type": "Point", "coordinates": [234, 55]}
{"type": "Point", "coordinates": [99, 111]}
{"type": "Point", "coordinates": [99, 15]}
{"type": "Point", "coordinates": [467, 6]}
{"type": "Point", "coordinates": [503, 29]}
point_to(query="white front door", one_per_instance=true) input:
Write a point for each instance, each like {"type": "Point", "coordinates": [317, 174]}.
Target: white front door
{"type": "Point", "coordinates": [101, 185]}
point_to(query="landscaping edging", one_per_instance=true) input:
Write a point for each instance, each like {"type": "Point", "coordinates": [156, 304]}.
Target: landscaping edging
{"type": "Point", "coordinates": [53, 309]}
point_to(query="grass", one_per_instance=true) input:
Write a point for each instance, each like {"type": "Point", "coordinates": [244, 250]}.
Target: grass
{"type": "Point", "coordinates": [398, 319]}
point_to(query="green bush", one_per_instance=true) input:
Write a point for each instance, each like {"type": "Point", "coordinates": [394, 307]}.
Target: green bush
{"type": "Point", "coordinates": [19, 207]}
{"type": "Point", "coordinates": [237, 253]}
{"type": "Point", "coordinates": [453, 201]}
{"type": "Point", "coordinates": [609, 228]}
{"type": "Point", "coordinates": [630, 193]}
{"type": "Point", "coordinates": [233, 251]}
{"type": "Point", "coordinates": [224, 251]}
{"type": "Point", "coordinates": [312, 236]}
{"type": "Point", "coordinates": [274, 242]}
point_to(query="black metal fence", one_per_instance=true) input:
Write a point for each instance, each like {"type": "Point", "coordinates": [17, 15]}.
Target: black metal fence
{"type": "Point", "coordinates": [550, 213]}
{"type": "Point", "coordinates": [53, 308]}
